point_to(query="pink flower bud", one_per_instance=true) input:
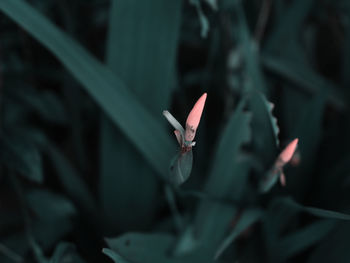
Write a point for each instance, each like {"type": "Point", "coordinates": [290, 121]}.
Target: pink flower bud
{"type": "Point", "coordinates": [194, 118]}
{"type": "Point", "coordinates": [288, 152]}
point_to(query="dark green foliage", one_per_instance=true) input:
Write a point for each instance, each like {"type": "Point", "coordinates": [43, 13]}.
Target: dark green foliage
{"type": "Point", "coordinates": [245, 220]}
{"type": "Point", "coordinates": [86, 168]}
{"type": "Point", "coordinates": [141, 50]}
{"type": "Point", "coordinates": [180, 168]}
{"type": "Point", "coordinates": [22, 157]}
{"type": "Point", "coordinates": [113, 255]}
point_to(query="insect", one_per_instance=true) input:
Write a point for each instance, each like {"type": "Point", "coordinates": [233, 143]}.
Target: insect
{"type": "Point", "coordinates": [181, 165]}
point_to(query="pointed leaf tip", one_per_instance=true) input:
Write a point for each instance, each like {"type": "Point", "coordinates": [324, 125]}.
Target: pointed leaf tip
{"type": "Point", "coordinates": [196, 112]}
{"type": "Point", "coordinates": [171, 119]}
{"type": "Point", "coordinates": [288, 152]}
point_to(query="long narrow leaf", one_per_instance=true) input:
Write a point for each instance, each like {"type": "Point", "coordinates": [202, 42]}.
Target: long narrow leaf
{"type": "Point", "coordinates": [140, 33]}
{"type": "Point", "coordinates": [302, 239]}
{"type": "Point", "coordinates": [227, 179]}
{"type": "Point", "coordinates": [108, 91]}
{"type": "Point", "coordinates": [313, 210]}
{"type": "Point", "coordinates": [248, 218]}
{"type": "Point", "coordinates": [114, 256]}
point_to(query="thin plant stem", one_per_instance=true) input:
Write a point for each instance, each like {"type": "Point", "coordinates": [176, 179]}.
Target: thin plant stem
{"type": "Point", "coordinates": [174, 209]}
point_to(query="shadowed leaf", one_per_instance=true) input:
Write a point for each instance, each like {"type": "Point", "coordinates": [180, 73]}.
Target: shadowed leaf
{"type": "Point", "coordinates": [140, 33]}
{"type": "Point", "coordinates": [180, 168]}
{"type": "Point", "coordinates": [107, 90]}
{"type": "Point", "coordinates": [247, 218]}
{"type": "Point", "coordinates": [227, 178]}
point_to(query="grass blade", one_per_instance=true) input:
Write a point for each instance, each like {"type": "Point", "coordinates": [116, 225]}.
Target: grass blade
{"type": "Point", "coordinates": [227, 178]}
{"type": "Point", "coordinates": [313, 210]}
{"type": "Point", "coordinates": [248, 218]}
{"type": "Point", "coordinates": [107, 90]}
{"type": "Point", "coordinates": [139, 33]}
{"type": "Point", "coordinates": [302, 239]}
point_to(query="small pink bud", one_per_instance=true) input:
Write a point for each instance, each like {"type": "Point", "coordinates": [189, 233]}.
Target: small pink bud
{"type": "Point", "coordinates": [283, 179]}
{"type": "Point", "coordinates": [194, 118]}
{"type": "Point", "coordinates": [288, 152]}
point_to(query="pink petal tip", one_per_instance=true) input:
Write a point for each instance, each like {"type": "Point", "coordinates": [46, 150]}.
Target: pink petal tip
{"type": "Point", "coordinates": [195, 115]}
{"type": "Point", "coordinates": [288, 152]}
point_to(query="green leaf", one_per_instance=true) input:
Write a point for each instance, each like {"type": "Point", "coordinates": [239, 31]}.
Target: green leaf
{"type": "Point", "coordinates": [236, 133]}
{"type": "Point", "coordinates": [286, 30]}
{"type": "Point", "coordinates": [248, 218]}
{"type": "Point", "coordinates": [334, 248]}
{"type": "Point", "coordinates": [113, 255]}
{"type": "Point", "coordinates": [285, 55]}
{"type": "Point", "coordinates": [49, 210]}
{"type": "Point", "coordinates": [140, 33]}
{"type": "Point", "coordinates": [254, 77]}
{"type": "Point", "coordinates": [276, 220]}
{"type": "Point", "coordinates": [180, 168]}
{"type": "Point", "coordinates": [65, 253]}
{"type": "Point", "coordinates": [46, 104]}
{"type": "Point", "coordinates": [302, 239]}
{"type": "Point", "coordinates": [22, 156]}
{"type": "Point", "coordinates": [203, 20]}
{"type": "Point", "coordinates": [74, 186]}
{"type": "Point", "coordinates": [264, 127]}
{"type": "Point", "coordinates": [313, 210]}
{"type": "Point", "coordinates": [177, 218]}
{"type": "Point", "coordinates": [107, 90]}
{"type": "Point", "coordinates": [49, 206]}
{"type": "Point", "coordinates": [227, 178]}
{"type": "Point", "coordinates": [269, 179]}
{"type": "Point", "coordinates": [186, 242]}
{"type": "Point", "coordinates": [141, 247]}
{"type": "Point", "coordinates": [304, 76]}
{"type": "Point", "coordinates": [152, 248]}
{"type": "Point", "coordinates": [213, 4]}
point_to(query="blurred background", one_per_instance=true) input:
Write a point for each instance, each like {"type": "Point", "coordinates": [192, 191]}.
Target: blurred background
{"type": "Point", "coordinates": [85, 150]}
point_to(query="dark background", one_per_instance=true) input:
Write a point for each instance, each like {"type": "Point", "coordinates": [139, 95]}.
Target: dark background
{"type": "Point", "coordinates": [85, 150]}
